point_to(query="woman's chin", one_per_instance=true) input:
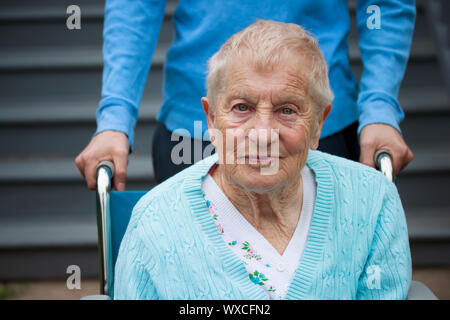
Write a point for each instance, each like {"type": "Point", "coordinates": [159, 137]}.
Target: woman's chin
{"type": "Point", "coordinates": [258, 179]}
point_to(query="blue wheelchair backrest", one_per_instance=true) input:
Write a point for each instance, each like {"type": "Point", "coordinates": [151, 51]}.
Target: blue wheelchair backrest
{"type": "Point", "coordinates": [114, 210]}
{"type": "Point", "coordinates": [121, 207]}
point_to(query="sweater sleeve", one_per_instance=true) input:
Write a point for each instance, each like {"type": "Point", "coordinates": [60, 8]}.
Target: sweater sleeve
{"type": "Point", "coordinates": [387, 272]}
{"type": "Point", "coordinates": [130, 33]}
{"type": "Point", "coordinates": [384, 51]}
{"type": "Point", "coordinates": [132, 280]}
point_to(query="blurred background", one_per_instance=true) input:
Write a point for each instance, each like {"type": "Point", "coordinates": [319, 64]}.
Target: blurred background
{"type": "Point", "coordinates": [50, 84]}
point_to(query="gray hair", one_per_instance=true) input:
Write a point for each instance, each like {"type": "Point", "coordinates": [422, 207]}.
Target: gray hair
{"type": "Point", "coordinates": [267, 43]}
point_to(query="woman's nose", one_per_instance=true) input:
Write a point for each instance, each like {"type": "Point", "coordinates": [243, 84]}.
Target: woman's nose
{"type": "Point", "coordinates": [263, 130]}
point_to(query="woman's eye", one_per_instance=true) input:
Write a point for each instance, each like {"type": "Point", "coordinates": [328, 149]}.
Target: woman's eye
{"type": "Point", "coordinates": [241, 107]}
{"type": "Point", "coordinates": [286, 111]}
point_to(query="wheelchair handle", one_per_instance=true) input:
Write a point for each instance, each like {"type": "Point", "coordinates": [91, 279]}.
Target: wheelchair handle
{"type": "Point", "coordinates": [107, 165]}
{"type": "Point", "coordinates": [383, 162]}
{"type": "Point", "coordinates": [104, 173]}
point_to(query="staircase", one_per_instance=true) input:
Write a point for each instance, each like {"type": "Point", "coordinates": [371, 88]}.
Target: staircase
{"type": "Point", "coordinates": [50, 84]}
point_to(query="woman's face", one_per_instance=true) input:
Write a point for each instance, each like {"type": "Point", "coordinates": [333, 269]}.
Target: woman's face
{"type": "Point", "coordinates": [263, 126]}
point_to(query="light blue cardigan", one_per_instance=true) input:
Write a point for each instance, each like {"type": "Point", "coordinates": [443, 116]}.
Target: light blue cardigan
{"type": "Point", "coordinates": [357, 246]}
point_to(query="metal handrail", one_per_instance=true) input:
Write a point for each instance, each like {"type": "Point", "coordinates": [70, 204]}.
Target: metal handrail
{"type": "Point", "coordinates": [105, 172]}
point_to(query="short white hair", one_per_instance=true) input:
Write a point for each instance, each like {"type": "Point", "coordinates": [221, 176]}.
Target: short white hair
{"type": "Point", "coordinates": [268, 43]}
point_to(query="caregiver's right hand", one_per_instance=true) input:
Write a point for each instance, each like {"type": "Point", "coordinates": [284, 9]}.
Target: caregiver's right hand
{"type": "Point", "coordinates": [107, 145]}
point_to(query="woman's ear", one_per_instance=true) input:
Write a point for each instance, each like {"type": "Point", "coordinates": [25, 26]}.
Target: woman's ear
{"type": "Point", "coordinates": [318, 129]}
{"type": "Point", "coordinates": [210, 117]}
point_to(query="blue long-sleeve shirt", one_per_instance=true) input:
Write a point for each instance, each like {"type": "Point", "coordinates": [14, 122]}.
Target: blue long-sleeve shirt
{"type": "Point", "coordinates": [132, 27]}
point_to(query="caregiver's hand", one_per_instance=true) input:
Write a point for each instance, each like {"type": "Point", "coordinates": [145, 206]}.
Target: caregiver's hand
{"type": "Point", "coordinates": [107, 145]}
{"type": "Point", "coordinates": [382, 136]}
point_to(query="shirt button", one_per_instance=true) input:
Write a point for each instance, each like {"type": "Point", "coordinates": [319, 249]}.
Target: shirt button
{"type": "Point", "coordinates": [281, 267]}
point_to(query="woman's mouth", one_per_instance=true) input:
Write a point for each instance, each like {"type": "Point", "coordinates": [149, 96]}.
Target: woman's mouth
{"type": "Point", "coordinates": [261, 160]}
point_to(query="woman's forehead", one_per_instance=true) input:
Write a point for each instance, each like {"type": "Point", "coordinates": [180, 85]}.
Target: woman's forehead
{"type": "Point", "coordinates": [246, 81]}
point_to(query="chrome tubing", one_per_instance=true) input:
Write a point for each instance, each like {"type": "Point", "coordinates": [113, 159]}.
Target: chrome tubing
{"type": "Point", "coordinates": [105, 172]}
{"type": "Point", "coordinates": [383, 162]}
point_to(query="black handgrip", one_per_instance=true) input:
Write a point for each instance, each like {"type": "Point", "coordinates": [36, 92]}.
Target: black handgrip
{"type": "Point", "coordinates": [383, 162]}
{"type": "Point", "coordinates": [105, 163]}
{"type": "Point", "coordinates": [379, 154]}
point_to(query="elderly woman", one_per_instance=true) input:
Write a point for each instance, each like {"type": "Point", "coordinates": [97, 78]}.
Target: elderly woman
{"type": "Point", "coordinates": [255, 221]}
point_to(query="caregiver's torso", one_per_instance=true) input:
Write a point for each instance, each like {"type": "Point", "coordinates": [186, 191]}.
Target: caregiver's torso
{"type": "Point", "coordinates": [201, 27]}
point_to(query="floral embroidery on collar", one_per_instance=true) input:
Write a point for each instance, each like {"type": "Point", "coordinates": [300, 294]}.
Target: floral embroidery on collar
{"type": "Point", "coordinates": [246, 252]}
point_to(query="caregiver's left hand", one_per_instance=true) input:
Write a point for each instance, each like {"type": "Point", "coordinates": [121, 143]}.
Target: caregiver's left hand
{"type": "Point", "coordinates": [382, 136]}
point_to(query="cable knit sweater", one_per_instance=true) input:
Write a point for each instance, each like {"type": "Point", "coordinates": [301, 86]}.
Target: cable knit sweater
{"type": "Point", "coordinates": [357, 246]}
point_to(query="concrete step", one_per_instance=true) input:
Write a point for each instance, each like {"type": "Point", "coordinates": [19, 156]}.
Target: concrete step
{"type": "Point", "coordinates": [40, 37]}
{"type": "Point", "coordinates": [60, 109]}
{"type": "Point", "coordinates": [53, 202]}
{"type": "Point", "coordinates": [424, 189]}
{"type": "Point", "coordinates": [28, 10]}
{"type": "Point", "coordinates": [437, 14]}
{"type": "Point", "coordinates": [47, 263]}
{"type": "Point", "coordinates": [61, 58]}
{"type": "Point", "coordinates": [428, 161]}
{"type": "Point", "coordinates": [419, 75]}
{"type": "Point", "coordinates": [60, 139]}
{"type": "Point", "coordinates": [427, 131]}
{"type": "Point", "coordinates": [428, 223]}
{"type": "Point", "coordinates": [47, 169]}
{"type": "Point", "coordinates": [43, 29]}
{"type": "Point", "coordinates": [63, 86]}
{"type": "Point", "coordinates": [37, 234]}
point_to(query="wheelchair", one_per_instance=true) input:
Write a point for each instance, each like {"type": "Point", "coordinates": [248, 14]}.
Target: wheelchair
{"type": "Point", "coordinates": [114, 210]}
